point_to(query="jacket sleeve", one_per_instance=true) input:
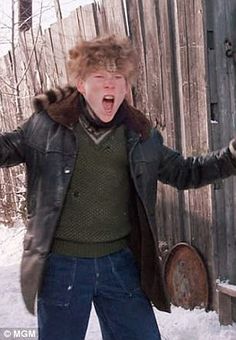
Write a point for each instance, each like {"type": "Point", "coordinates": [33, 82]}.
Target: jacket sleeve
{"type": "Point", "coordinates": [12, 148]}
{"type": "Point", "coordinates": [194, 172]}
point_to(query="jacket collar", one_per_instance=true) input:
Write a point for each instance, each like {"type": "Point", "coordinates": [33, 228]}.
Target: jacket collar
{"type": "Point", "coordinates": [63, 105]}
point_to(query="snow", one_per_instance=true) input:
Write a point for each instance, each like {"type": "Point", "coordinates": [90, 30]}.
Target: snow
{"type": "Point", "coordinates": [179, 325]}
{"type": "Point", "coordinates": [227, 286]}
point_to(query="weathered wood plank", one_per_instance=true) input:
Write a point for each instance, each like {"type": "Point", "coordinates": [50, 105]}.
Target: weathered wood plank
{"type": "Point", "coordinates": [218, 204]}
{"type": "Point", "coordinates": [225, 309]}
{"type": "Point", "coordinates": [152, 61]}
{"type": "Point", "coordinates": [50, 62]}
{"type": "Point", "coordinates": [58, 47]}
{"type": "Point", "coordinates": [72, 31]}
{"type": "Point", "coordinates": [231, 231]}
{"type": "Point", "coordinates": [87, 21]}
{"type": "Point", "coordinates": [38, 40]}
{"type": "Point", "coordinates": [100, 18]}
{"type": "Point", "coordinates": [226, 288]}
{"type": "Point", "coordinates": [180, 55]}
{"type": "Point", "coordinates": [115, 17]}
{"type": "Point", "coordinates": [140, 89]}
{"type": "Point", "coordinates": [200, 200]}
{"type": "Point", "coordinates": [172, 109]}
{"type": "Point", "coordinates": [231, 234]}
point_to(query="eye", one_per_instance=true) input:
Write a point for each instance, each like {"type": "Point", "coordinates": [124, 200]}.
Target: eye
{"type": "Point", "coordinates": [98, 76]}
{"type": "Point", "coordinates": [118, 76]}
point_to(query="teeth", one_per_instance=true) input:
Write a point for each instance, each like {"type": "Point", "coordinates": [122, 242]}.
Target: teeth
{"type": "Point", "coordinates": [109, 97]}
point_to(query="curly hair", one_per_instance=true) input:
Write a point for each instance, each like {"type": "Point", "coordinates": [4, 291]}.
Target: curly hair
{"type": "Point", "coordinates": [110, 53]}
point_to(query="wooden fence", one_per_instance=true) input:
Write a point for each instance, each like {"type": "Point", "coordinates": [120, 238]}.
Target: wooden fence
{"type": "Point", "coordinates": [186, 85]}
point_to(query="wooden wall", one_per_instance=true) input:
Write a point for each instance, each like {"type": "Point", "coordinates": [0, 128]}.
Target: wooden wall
{"type": "Point", "coordinates": [221, 43]}
{"type": "Point", "coordinates": [186, 86]}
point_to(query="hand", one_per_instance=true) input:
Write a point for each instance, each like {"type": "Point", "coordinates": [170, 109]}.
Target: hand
{"type": "Point", "coordinates": [232, 147]}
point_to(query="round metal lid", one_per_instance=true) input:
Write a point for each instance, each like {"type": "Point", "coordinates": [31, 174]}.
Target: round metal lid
{"type": "Point", "coordinates": [186, 277]}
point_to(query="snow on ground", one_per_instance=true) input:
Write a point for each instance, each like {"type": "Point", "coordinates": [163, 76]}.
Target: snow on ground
{"type": "Point", "coordinates": [179, 325]}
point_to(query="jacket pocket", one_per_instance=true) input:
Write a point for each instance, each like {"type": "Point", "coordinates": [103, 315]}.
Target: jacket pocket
{"type": "Point", "coordinates": [58, 281]}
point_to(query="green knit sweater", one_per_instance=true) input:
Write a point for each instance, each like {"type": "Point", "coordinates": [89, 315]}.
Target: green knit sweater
{"type": "Point", "coordinates": [95, 220]}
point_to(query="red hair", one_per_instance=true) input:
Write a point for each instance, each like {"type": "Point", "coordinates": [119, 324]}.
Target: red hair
{"type": "Point", "coordinates": [111, 53]}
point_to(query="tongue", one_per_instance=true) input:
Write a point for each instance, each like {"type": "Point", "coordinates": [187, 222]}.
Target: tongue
{"type": "Point", "coordinates": [108, 105]}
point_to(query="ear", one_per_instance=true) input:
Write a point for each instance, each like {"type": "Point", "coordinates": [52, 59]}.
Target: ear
{"type": "Point", "coordinates": [80, 86]}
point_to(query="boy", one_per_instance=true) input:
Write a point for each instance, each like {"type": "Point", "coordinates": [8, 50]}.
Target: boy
{"type": "Point", "coordinates": [92, 163]}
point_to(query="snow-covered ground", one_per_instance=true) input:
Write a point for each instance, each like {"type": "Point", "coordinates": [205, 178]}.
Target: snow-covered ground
{"type": "Point", "coordinates": [179, 325]}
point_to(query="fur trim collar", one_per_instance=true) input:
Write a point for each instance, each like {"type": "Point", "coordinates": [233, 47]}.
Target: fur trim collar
{"type": "Point", "coordinates": [63, 106]}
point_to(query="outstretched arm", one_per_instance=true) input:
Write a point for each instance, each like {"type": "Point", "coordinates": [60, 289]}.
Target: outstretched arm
{"type": "Point", "coordinates": [12, 148]}
{"type": "Point", "coordinates": [194, 172]}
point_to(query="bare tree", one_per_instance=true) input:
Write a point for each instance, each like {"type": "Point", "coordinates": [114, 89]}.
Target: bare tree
{"type": "Point", "coordinates": [25, 15]}
{"type": "Point", "coordinates": [19, 113]}
{"type": "Point", "coordinates": [12, 194]}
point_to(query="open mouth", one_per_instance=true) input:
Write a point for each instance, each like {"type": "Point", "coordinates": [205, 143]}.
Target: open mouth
{"type": "Point", "coordinates": [108, 102]}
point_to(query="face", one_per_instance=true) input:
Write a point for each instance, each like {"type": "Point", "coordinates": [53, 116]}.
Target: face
{"type": "Point", "coordinates": [104, 92]}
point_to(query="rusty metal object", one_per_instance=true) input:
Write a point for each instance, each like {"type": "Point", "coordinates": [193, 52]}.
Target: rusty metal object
{"type": "Point", "coordinates": [186, 277]}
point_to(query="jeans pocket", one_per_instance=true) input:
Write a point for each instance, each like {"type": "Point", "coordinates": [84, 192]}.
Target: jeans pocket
{"type": "Point", "coordinates": [58, 281]}
{"type": "Point", "coordinates": [126, 273]}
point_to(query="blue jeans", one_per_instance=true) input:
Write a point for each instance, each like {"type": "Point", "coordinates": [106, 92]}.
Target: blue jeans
{"type": "Point", "coordinates": [112, 283]}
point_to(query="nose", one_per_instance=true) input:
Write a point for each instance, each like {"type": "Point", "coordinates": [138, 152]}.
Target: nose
{"type": "Point", "coordinates": [109, 82]}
